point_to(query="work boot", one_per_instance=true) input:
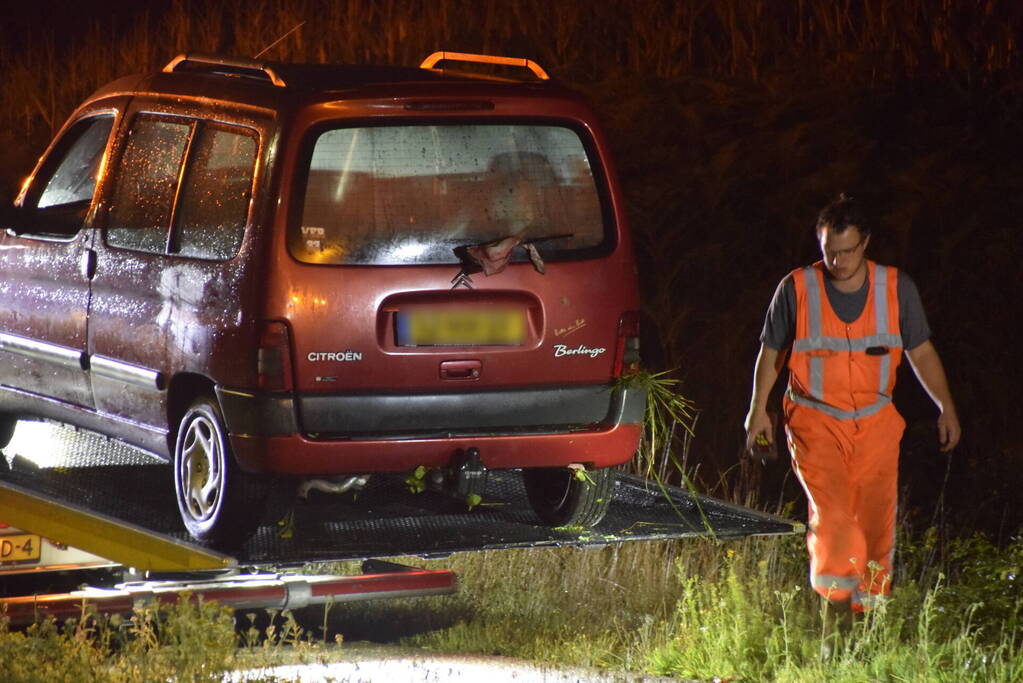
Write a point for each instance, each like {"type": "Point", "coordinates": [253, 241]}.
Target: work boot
{"type": "Point", "coordinates": [837, 618]}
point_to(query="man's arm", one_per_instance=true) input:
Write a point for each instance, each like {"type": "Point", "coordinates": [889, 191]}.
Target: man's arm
{"type": "Point", "coordinates": [928, 368]}
{"type": "Point", "coordinates": [758, 422]}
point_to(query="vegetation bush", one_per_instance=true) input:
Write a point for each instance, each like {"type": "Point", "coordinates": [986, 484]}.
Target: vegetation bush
{"type": "Point", "coordinates": [192, 642]}
{"type": "Point", "coordinates": [697, 609]}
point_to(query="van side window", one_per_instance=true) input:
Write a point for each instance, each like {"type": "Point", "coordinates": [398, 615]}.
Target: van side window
{"type": "Point", "coordinates": [73, 172]}
{"type": "Point", "coordinates": [143, 200]}
{"type": "Point", "coordinates": [204, 215]}
{"type": "Point", "coordinates": [74, 179]}
{"type": "Point", "coordinates": [214, 202]}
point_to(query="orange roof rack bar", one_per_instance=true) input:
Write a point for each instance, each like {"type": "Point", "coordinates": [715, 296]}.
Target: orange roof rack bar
{"type": "Point", "coordinates": [226, 64]}
{"type": "Point", "coordinates": [430, 61]}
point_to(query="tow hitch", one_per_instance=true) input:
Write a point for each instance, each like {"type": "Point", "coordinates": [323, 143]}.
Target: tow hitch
{"type": "Point", "coordinates": [468, 474]}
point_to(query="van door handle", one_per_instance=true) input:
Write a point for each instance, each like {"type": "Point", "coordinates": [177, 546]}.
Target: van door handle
{"type": "Point", "coordinates": [465, 370]}
{"type": "Point", "coordinates": [88, 263]}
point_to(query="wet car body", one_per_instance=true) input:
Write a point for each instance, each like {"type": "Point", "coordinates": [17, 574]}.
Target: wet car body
{"type": "Point", "coordinates": [196, 268]}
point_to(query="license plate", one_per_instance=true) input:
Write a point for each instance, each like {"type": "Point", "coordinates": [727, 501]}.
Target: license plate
{"type": "Point", "coordinates": [19, 549]}
{"type": "Point", "coordinates": [488, 327]}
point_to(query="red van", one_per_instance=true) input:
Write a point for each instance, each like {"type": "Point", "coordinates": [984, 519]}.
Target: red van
{"type": "Point", "coordinates": [265, 271]}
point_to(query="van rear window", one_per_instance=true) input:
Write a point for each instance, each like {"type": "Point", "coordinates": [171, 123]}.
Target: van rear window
{"type": "Point", "coordinates": [394, 195]}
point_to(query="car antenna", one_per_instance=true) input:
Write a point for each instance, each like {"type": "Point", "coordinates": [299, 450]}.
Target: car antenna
{"type": "Point", "coordinates": [271, 45]}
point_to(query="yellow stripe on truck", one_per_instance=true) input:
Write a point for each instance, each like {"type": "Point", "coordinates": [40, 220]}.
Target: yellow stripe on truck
{"type": "Point", "coordinates": [112, 539]}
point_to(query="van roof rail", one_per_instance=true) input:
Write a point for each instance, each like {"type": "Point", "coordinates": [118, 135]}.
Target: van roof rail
{"type": "Point", "coordinates": [219, 64]}
{"type": "Point", "coordinates": [432, 60]}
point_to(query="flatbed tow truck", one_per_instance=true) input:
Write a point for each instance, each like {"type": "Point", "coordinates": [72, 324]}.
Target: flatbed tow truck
{"type": "Point", "coordinates": [73, 500]}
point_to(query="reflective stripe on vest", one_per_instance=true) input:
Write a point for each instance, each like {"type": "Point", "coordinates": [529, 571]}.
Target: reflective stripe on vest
{"type": "Point", "coordinates": [883, 336]}
{"type": "Point", "coordinates": [830, 582]}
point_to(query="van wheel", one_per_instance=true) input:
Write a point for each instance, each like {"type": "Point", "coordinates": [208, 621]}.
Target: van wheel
{"type": "Point", "coordinates": [220, 504]}
{"type": "Point", "coordinates": [7, 425]}
{"type": "Point", "coordinates": [562, 499]}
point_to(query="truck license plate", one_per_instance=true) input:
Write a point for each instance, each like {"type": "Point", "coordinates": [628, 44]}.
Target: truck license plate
{"type": "Point", "coordinates": [19, 549]}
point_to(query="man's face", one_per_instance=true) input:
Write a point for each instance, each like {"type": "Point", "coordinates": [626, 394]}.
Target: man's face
{"type": "Point", "coordinates": [844, 253]}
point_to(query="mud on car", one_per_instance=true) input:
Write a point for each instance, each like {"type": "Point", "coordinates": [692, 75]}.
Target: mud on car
{"type": "Point", "coordinates": [270, 272]}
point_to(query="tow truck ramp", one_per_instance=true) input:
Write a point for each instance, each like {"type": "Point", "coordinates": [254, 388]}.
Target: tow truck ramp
{"type": "Point", "coordinates": [63, 486]}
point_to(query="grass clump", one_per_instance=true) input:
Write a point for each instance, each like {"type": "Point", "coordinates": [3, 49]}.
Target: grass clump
{"type": "Point", "coordinates": [695, 609]}
{"type": "Point", "coordinates": [985, 581]}
{"type": "Point", "coordinates": [610, 607]}
{"type": "Point", "coordinates": [750, 623]}
{"type": "Point", "coordinates": [193, 641]}
{"type": "Point", "coordinates": [741, 611]}
{"type": "Point", "coordinates": [562, 606]}
{"type": "Point", "coordinates": [669, 421]}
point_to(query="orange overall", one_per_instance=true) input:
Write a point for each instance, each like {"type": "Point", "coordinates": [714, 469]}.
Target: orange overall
{"type": "Point", "coordinates": [843, 433]}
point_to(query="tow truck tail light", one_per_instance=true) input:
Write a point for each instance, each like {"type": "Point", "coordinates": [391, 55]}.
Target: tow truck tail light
{"type": "Point", "coordinates": [627, 352]}
{"type": "Point", "coordinates": [274, 357]}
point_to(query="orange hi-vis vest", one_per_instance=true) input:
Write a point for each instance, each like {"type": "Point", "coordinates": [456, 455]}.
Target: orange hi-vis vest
{"type": "Point", "coordinates": [846, 370]}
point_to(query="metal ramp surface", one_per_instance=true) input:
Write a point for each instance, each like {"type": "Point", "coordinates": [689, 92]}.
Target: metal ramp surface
{"type": "Point", "coordinates": [111, 479]}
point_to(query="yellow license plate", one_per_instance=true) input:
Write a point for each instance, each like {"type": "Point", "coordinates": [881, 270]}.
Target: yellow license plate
{"type": "Point", "coordinates": [19, 549]}
{"type": "Point", "coordinates": [497, 327]}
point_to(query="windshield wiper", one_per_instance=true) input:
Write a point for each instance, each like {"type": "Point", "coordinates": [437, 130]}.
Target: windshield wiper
{"type": "Point", "coordinates": [492, 257]}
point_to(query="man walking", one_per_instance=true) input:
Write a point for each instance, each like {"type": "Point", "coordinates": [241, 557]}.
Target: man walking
{"type": "Point", "coordinates": [844, 323]}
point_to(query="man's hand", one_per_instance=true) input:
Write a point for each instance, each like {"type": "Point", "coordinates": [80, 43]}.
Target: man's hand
{"type": "Point", "coordinates": [759, 425]}
{"type": "Point", "coordinates": [948, 430]}
{"type": "Point", "coordinates": [931, 373]}
{"type": "Point", "coordinates": [759, 431]}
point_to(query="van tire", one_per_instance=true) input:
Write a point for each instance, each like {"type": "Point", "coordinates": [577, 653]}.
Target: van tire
{"type": "Point", "coordinates": [559, 498]}
{"type": "Point", "coordinates": [7, 425]}
{"type": "Point", "coordinates": [220, 504]}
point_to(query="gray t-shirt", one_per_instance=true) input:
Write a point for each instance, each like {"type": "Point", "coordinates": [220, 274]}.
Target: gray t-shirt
{"type": "Point", "coordinates": [780, 324]}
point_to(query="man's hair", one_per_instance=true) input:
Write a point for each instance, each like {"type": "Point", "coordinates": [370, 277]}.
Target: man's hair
{"type": "Point", "coordinates": [842, 214]}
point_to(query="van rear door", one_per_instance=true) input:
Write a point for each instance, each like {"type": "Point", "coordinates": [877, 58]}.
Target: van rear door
{"type": "Point", "coordinates": [455, 257]}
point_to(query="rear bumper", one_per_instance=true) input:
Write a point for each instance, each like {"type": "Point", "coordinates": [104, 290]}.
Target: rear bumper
{"type": "Point", "coordinates": [297, 455]}
{"type": "Point", "coordinates": [337, 434]}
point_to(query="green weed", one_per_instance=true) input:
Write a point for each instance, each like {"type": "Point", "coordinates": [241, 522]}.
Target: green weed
{"type": "Point", "coordinates": [698, 609]}
{"type": "Point", "coordinates": [190, 641]}
{"type": "Point", "coordinates": [701, 609]}
{"type": "Point", "coordinates": [193, 641]}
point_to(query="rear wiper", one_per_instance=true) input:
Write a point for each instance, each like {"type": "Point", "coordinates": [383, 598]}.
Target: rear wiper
{"type": "Point", "coordinates": [492, 257]}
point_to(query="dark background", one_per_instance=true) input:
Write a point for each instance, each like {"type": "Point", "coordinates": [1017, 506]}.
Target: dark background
{"type": "Point", "coordinates": [734, 122]}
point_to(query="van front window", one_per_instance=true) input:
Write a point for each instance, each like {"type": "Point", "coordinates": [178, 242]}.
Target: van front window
{"type": "Point", "coordinates": [392, 195]}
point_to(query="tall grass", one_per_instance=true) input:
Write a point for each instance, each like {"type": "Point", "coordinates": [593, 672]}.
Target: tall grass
{"type": "Point", "coordinates": [748, 627]}
{"type": "Point", "coordinates": [874, 40]}
{"type": "Point", "coordinates": [742, 611]}
{"type": "Point", "coordinates": [696, 609]}
{"type": "Point", "coordinates": [192, 641]}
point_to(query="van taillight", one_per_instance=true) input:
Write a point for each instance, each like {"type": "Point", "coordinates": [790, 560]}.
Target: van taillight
{"type": "Point", "coordinates": [627, 353]}
{"type": "Point", "coordinates": [274, 358]}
